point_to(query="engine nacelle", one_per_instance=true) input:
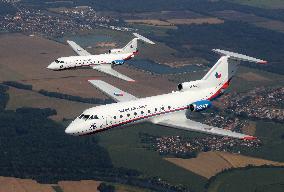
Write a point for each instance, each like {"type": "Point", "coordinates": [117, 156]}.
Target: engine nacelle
{"type": "Point", "coordinates": [189, 85]}
{"type": "Point", "coordinates": [115, 51]}
{"type": "Point", "coordinates": [200, 105]}
{"type": "Point", "coordinates": [117, 62]}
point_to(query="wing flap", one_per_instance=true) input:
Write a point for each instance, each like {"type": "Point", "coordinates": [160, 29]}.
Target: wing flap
{"type": "Point", "coordinates": [111, 91]}
{"type": "Point", "coordinates": [180, 121]}
{"type": "Point", "coordinates": [79, 50]}
{"type": "Point", "coordinates": [106, 68]}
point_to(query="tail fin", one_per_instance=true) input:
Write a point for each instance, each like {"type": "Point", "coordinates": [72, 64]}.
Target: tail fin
{"type": "Point", "coordinates": [225, 68]}
{"type": "Point", "coordinates": [132, 46]}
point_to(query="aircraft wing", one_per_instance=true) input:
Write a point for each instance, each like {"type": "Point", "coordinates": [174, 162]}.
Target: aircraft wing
{"type": "Point", "coordinates": [113, 92]}
{"type": "Point", "coordinates": [106, 68]}
{"type": "Point", "coordinates": [180, 121]}
{"type": "Point", "coordinates": [79, 50]}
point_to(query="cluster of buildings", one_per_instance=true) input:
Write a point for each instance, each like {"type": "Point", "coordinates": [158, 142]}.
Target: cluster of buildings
{"type": "Point", "coordinates": [189, 147]}
{"type": "Point", "coordinates": [225, 121]}
{"type": "Point", "coordinates": [56, 23]}
{"type": "Point", "coordinates": [260, 103]}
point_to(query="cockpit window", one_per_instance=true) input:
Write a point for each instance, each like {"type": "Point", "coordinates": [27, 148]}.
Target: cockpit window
{"type": "Point", "coordinates": [61, 61]}
{"type": "Point", "coordinates": [94, 117]}
{"type": "Point", "coordinates": [88, 117]}
{"type": "Point", "coordinates": [56, 61]}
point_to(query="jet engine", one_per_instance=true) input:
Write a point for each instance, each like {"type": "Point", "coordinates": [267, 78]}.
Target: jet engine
{"type": "Point", "coordinates": [188, 85]}
{"type": "Point", "coordinates": [200, 105]}
{"type": "Point", "coordinates": [117, 62]}
{"type": "Point", "coordinates": [115, 51]}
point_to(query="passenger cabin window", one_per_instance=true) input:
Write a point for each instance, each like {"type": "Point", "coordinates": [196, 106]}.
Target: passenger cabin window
{"type": "Point", "coordinates": [128, 115]}
{"type": "Point", "coordinates": [114, 117]}
{"type": "Point", "coordinates": [135, 113]}
{"type": "Point", "coordinates": [149, 111]}
{"type": "Point", "coordinates": [121, 116]}
{"type": "Point", "coordinates": [163, 108]}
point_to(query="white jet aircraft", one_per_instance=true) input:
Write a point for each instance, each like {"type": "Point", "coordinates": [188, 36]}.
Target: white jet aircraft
{"type": "Point", "coordinates": [102, 62]}
{"type": "Point", "coordinates": [167, 109]}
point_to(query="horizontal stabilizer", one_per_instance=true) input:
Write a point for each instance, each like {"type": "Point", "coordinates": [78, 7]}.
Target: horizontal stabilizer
{"type": "Point", "coordinates": [111, 91]}
{"type": "Point", "coordinates": [238, 56]}
{"type": "Point", "coordinates": [143, 38]}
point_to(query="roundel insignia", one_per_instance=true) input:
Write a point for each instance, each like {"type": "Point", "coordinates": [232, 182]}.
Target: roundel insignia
{"type": "Point", "coordinates": [218, 75]}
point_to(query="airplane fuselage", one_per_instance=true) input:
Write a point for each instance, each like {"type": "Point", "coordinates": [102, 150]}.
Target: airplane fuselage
{"type": "Point", "coordinates": [108, 116]}
{"type": "Point", "coordinates": [90, 61]}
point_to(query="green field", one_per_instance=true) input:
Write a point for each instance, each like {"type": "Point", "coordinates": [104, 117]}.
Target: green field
{"type": "Point", "coordinates": [270, 4]}
{"type": "Point", "coordinates": [250, 180]}
{"type": "Point", "coordinates": [271, 135]}
{"type": "Point", "coordinates": [125, 150]}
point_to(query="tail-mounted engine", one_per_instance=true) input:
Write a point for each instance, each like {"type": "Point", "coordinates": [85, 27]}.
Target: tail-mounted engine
{"type": "Point", "coordinates": [200, 105]}
{"type": "Point", "coordinates": [189, 85]}
{"type": "Point", "coordinates": [115, 51]}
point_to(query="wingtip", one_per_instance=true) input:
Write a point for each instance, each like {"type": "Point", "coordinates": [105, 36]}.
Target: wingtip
{"type": "Point", "coordinates": [249, 138]}
{"type": "Point", "coordinates": [90, 80]}
{"type": "Point", "coordinates": [262, 62]}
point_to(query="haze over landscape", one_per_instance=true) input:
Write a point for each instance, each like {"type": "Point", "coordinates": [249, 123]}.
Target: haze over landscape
{"type": "Point", "coordinates": [37, 104]}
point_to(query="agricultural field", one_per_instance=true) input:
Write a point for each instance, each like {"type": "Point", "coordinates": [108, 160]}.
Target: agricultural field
{"type": "Point", "coordinates": [271, 135]}
{"type": "Point", "coordinates": [172, 23]}
{"type": "Point", "coordinates": [125, 150]}
{"type": "Point", "coordinates": [8, 184]}
{"type": "Point", "coordinates": [208, 164]}
{"type": "Point", "coordinates": [267, 4]}
{"type": "Point", "coordinates": [249, 180]}
{"type": "Point", "coordinates": [65, 109]}
{"type": "Point", "coordinates": [257, 21]}
{"type": "Point", "coordinates": [79, 186]}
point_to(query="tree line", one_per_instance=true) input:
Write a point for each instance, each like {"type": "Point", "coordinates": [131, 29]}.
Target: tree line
{"type": "Point", "coordinates": [58, 95]}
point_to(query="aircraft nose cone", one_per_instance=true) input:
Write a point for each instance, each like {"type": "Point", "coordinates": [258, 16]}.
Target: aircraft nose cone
{"type": "Point", "coordinates": [51, 66]}
{"type": "Point", "coordinates": [68, 131]}
{"type": "Point", "coordinates": [71, 129]}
